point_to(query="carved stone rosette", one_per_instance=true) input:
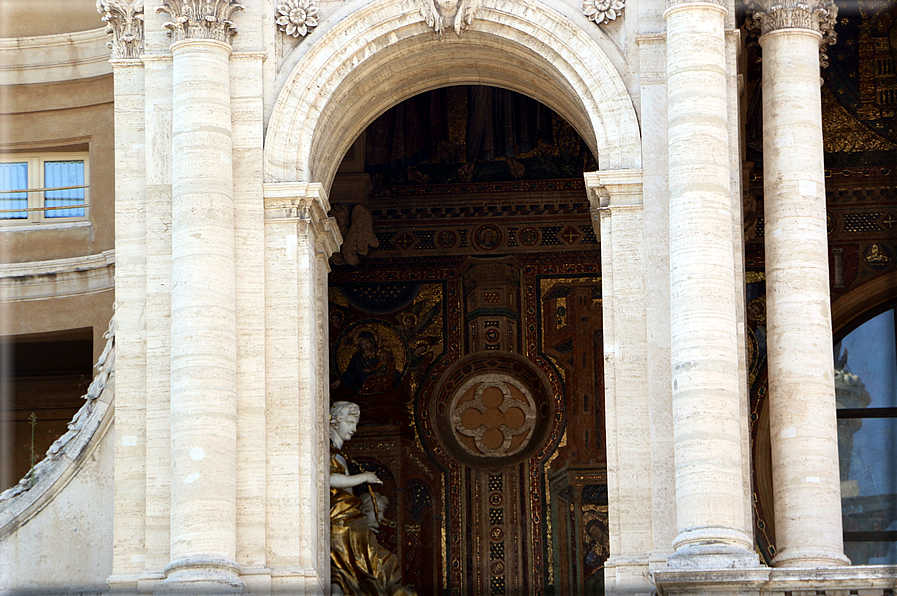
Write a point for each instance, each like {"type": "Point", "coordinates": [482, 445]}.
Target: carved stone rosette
{"type": "Point", "coordinates": [201, 19]}
{"type": "Point", "coordinates": [602, 11]}
{"type": "Point", "coordinates": [816, 15]}
{"type": "Point", "coordinates": [297, 17]}
{"type": "Point", "coordinates": [124, 22]}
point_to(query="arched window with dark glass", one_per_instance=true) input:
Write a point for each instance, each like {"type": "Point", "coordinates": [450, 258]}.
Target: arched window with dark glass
{"type": "Point", "coordinates": [866, 393]}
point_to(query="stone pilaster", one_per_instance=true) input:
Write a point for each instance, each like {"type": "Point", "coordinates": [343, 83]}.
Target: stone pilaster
{"type": "Point", "coordinates": [203, 418]}
{"type": "Point", "coordinates": [299, 239]}
{"type": "Point", "coordinates": [803, 426]}
{"type": "Point", "coordinates": [616, 200]}
{"type": "Point", "coordinates": [130, 299]}
{"type": "Point", "coordinates": [707, 412]}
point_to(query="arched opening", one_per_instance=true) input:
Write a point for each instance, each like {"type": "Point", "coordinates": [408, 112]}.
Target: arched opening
{"type": "Point", "coordinates": [331, 92]}
{"type": "Point", "coordinates": [465, 318]}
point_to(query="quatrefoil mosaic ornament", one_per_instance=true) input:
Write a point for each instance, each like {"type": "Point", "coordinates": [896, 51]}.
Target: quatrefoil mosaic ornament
{"type": "Point", "coordinates": [493, 416]}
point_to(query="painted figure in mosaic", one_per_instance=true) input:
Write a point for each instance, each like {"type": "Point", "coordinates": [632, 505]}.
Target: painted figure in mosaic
{"type": "Point", "coordinates": [359, 566]}
{"type": "Point", "coordinates": [595, 555]}
{"type": "Point", "coordinates": [372, 369]}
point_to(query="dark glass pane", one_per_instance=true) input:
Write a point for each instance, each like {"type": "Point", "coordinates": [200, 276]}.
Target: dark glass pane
{"type": "Point", "coordinates": [866, 365]}
{"type": "Point", "coordinates": [13, 176]}
{"type": "Point", "coordinates": [64, 173]}
{"type": "Point", "coordinates": [867, 448]}
{"type": "Point", "coordinates": [871, 553]}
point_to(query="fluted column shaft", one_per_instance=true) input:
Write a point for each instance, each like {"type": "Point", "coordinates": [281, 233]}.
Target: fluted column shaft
{"type": "Point", "coordinates": [704, 350]}
{"type": "Point", "coordinates": [803, 426]}
{"type": "Point", "coordinates": [203, 324]}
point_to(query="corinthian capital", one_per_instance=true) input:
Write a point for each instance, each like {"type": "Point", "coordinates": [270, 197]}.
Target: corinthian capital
{"type": "Point", "coordinates": [818, 15]}
{"type": "Point", "coordinates": [200, 19]}
{"type": "Point", "coordinates": [124, 22]}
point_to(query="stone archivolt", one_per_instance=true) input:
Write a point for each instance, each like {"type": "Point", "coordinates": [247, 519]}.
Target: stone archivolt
{"type": "Point", "coordinates": [201, 19]}
{"type": "Point", "coordinates": [124, 22]}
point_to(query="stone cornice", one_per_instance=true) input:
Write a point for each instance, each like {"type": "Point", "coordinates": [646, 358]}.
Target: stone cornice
{"type": "Point", "coordinates": [307, 202]}
{"type": "Point", "coordinates": [124, 22]}
{"type": "Point", "coordinates": [200, 19]}
{"type": "Point", "coordinates": [614, 189]}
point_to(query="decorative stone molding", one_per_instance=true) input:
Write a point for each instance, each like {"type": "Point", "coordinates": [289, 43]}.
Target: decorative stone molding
{"type": "Point", "coordinates": [297, 17]}
{"type": "Point", "coordinates": [816, 15]}
{"type": "Point", "coordinates": [603, 11]}
{"type": "Point", "coordinates": [201, 19]}
{"type": "Point", "coordinates": [449, 14]}
{"type": "Point", "coordinates": [673, 3]}
{"type": "Point", "coordinates": [124, 22]}
{"type": "Point", "coordinates": [59, 277]}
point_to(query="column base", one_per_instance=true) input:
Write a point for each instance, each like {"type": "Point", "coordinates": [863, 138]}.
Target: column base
{"type": "Point", "coordinates": [810, 557]}
{"type": "Point", "coordinates": [200, 577]}
{"type": "Point", "coordinates": [712, 548]}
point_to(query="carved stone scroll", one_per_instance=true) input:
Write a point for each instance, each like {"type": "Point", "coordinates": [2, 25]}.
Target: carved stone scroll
{"type": "Point", "coordinates": [449, 14]}
{"type": "Point", "coordinates": [124, 22]}
{"type": "Point", "coordinates": [201, 19]}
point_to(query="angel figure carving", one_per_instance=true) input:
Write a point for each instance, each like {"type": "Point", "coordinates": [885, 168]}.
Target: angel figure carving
{"type": "Point", "coordinates": [449, 14]}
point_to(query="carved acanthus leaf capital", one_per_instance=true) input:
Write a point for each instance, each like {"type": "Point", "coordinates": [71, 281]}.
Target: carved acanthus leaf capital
{"type": "Point", "coordinates": [200, 19]}
{"type": "Point", "coordinates": [124, 22]}
{"type": "Point", "coordinates": [817, 15]}
{"type": "Point", "coordinates": [449, 14]}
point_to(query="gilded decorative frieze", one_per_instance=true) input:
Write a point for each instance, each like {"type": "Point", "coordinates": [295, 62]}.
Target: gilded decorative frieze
{"type": "Point", "coordinates": [124, 22]}
{"type": "Point", "coordinates": [201, 19]}
{"type": "Point", "coordinates": [842, 133]}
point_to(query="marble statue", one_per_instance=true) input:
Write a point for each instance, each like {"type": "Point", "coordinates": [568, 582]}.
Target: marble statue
{"type": "Point", "coordinates": [358, 564]}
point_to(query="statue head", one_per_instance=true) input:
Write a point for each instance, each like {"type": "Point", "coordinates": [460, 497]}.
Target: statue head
{"type": "Point", "coordinates": [344, 416]}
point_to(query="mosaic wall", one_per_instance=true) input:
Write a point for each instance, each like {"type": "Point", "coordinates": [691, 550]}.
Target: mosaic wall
{"type": "Point", "coordinates": [479, 375]}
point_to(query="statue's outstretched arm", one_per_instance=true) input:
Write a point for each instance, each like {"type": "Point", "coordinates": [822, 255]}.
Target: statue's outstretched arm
{"type": "Point", "coordinates": [350, 480]}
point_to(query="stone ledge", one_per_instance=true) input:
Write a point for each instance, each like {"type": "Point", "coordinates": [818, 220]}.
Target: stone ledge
{"type": "Point", "coordinates": [54, 58]}
{"type": "Point", "coordinates": [870, 580]}
{"type": "Point", "coordinates": [59, 277]}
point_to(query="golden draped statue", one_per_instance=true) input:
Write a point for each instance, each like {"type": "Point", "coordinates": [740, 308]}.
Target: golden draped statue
{"type": "Point", "coordinates": [359, 566]}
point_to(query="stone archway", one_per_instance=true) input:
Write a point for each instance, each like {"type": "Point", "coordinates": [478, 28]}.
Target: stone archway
{"type": "Point", "coordinates": [375, 57]}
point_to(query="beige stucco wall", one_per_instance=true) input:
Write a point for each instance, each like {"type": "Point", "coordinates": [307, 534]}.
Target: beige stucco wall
{"type": "Point", "coordinates": [64, 116]}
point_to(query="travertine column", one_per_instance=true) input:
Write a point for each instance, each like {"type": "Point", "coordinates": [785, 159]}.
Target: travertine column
{"type": "Point", "coordinates": [803, 428]}
{"type": "Point", "coordinates": [704, 360]}
{"type": "Point", "coordinates": [203, 321]}
{"type": "Point", "coordinates": [299, 240]}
